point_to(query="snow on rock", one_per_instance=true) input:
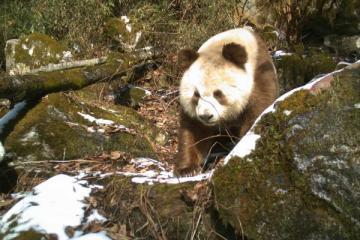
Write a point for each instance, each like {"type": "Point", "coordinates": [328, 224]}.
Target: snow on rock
{"type": "Point", "coordinates": [248, 142]}
{"type": "Point", "coordinates": [287, 112]}
{"type": "Point", "coordinates": [2, 152]}
{"type": "Point", "coordinates": [99, 121]}
{"type": "Point", "coordinates": [52, 206]}
{"type": "Point", "coordinates": [102, 122]}
{"type": "Point", "coordinates": [244, 147]}
{"type": "Point", "coordinates": [126, 20]}
{"type": "Point", "coordinates": [280, 53]}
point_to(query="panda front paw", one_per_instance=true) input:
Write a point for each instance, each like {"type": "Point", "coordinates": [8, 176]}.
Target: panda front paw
{"type": "Point", "coordinates": [187, 171]}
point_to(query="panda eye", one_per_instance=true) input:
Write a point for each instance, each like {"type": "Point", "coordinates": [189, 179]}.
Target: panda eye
{"type": "Point", "coordinates": [196, 94]}
{"type": "Point", "coordinates": [220, 97]}
{"type": "Point", "coordinates": [218, 94]}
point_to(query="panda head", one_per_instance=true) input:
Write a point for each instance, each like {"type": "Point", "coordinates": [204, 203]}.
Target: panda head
{"type": "Point", "coordinates": [217, 82]}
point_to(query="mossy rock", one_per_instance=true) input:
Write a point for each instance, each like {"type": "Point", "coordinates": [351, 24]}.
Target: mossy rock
{"type": "Point", "coordinates": [297, 69]}
{"type": "Point", "coordinates": [90, 94]}
{"type": "Point", "coordinates": [57, 128]}
{"type": "Point", "coordinates": [33, 51]}
{"type": "Point", "coordinates": [122, 32]}
{"type": "Point", "coordinates": [302, 179]}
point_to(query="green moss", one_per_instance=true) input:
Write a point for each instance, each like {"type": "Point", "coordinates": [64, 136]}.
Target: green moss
{"type": "Point", "coordinates": [54, 130]}
{"type": "Point", "coordinates": [37, 49]}
{"type": "Point", "coordinates": [115, 27]}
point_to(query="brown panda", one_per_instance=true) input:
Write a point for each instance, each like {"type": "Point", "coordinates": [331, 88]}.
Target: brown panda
{"type": "Point", "coordinates": [226, 84]}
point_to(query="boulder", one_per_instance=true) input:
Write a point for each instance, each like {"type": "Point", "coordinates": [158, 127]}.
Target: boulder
{"type": "Point", "coordinates": [123, 33]}
{"type": "Point", "coordinates": [295, 175]}
{"type": "Point", "coordinates": [70, 126]}
{"type": "Point", "coordinates": [33, 51]}
{"type": "Point", "coordinates": [296, 69]}
{"type": "Point", "coordinates": [131, 95]}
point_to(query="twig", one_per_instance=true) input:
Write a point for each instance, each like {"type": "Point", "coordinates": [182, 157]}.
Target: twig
{"type": "Point", "coordinates": [196, 227]}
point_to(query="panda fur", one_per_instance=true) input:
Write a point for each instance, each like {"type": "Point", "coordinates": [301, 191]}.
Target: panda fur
{"type": "Point", "coordinates": [225, 86]}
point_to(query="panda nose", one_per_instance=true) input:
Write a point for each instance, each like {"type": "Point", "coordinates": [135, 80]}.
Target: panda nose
{"type": "Point", "coordinates": [206, 117]}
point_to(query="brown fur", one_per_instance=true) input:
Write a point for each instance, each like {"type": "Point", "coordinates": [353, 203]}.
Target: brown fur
{"type": "Point", "coordinates": [196, 139]}
{"type": "Point", "coordinates": [235, 53]}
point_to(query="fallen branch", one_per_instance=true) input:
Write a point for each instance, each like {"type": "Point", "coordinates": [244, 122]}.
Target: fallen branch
{"type": "Point", "coordinates": [68, 65]}
{"type": "Point", "coordinates": [19, 87]}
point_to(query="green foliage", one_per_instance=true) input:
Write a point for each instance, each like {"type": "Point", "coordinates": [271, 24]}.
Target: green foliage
{"type": "Point", "coordinates": [73, 21]}
{"type": "Point", "coordinates": [171, 25]}
{"type": "Point", "coordinates": [312, 19]}
{"type": "Point", "coordinates": [187, 23]}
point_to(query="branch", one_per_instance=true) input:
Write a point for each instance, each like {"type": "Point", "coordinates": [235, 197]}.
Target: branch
{"type": "Point", "coordinates": [35, 85]}
{"type": "Point", "coordinates": [67, 65]}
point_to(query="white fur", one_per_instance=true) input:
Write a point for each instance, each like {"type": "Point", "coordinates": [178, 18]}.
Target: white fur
{"type": "Point", "coordinates": [211, 72]}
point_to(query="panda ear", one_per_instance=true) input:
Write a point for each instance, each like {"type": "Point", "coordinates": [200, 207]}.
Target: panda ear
{"type": "Point", "coordinates": [186, 57]}
{"type": "Point", "coordinates": [235, 53]}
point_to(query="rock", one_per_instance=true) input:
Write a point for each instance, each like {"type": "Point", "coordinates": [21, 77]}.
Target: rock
{"type": "Point", "coordinates": [123, 32]}
{"type": "Point", "coordinates": [296, 69]}
{"type": "Point", "coordinates": [295, 175]}
{"type": "Point", "coordinates": [33, 51]}
{"type": "Point", "coordinates": [343, 45]}
{"type": "Point", "coordinates": [62, 199]}
{"type": "Point", "coordinates": [131, 95]}
{"type": "Point", "coordinates": [65, 127]}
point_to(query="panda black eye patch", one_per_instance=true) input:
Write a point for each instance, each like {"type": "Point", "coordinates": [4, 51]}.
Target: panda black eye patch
{"type": "Point", "coordinates": [220, 97]}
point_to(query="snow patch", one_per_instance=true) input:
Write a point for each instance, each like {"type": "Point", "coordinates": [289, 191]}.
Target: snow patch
{"type": "Point", "coordinates": [2, 152]}
{"type": "Point", "coordinates": [151, 171]}
{"type": "Point", "coordinates": [31, 50]}
{"type": "Point", "coordinates": [30, 136]}
{"type": "Point", "coordinates": [147, 162]}
{"type": "Point", "coordinates": [126, 20]}
{"type": "Point", "coordinates": [51, 207]}
{"type": "Point", "coordinates": [98, 121]}
{"type": "Point", "coordinates": [165, 178]}
{"type": "Point", "coordinates": [357, 105]}
{"type": "Point", "coordinates": [280, 53]}
{"type": "Point", "coordinates": [67, 56]}
{"type": "Point", "coordinates": [287, 112]}
{"type": "Point", "coordinates": [244, 147]}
